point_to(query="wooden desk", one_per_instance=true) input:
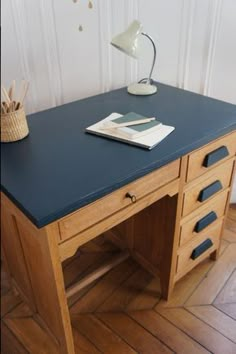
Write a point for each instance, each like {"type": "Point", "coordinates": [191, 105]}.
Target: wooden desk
{"type": "Point", "coordinates": [62, 188]}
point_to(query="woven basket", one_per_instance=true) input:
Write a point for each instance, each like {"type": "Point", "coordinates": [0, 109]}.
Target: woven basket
{"type": "Point", "coordinates": [14, 126]}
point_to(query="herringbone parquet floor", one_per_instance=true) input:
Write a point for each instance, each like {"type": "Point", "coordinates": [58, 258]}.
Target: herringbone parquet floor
{"type": "Point", "coordinates": [122, 311]}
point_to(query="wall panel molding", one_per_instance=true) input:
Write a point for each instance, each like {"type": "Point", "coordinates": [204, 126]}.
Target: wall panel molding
{"type": "Point", "coordinates": [131, 65]}
{"type": "Point", "coordinates": [214, 25]}
{"type": "Point", "coordinates": [47, 18]}
{"type": "Point", "coordinates": [186, 30]}
{"type": "Point", "coordinates": [104, 10]}
{"type": "Point", "coordinates": [19, 22]}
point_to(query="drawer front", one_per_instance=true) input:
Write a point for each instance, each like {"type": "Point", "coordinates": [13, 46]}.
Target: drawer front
{"type": "Point", "coordinates": [122, 198]}
{"type": "Point", "coordinates": [199, 248]}
{"type": "Point", "coordinates": [205, 219]}
{"type": "Point", "coordinates": [211, 155]}
{"type": "Point", "coordinates": [213, 183]}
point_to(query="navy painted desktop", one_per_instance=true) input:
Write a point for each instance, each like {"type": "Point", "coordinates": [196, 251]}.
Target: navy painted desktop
{"type": "Point", "coordinates": [59, 168]}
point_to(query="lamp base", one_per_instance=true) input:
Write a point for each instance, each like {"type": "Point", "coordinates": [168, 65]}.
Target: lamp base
{"type": "Point", "coordinates": [142, 89]}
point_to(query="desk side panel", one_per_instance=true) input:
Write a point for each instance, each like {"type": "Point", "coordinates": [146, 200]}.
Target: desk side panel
{"type": "Point", "coordinates": [13, 256]}
{"type": "Point", "coordinates": [41, 271]}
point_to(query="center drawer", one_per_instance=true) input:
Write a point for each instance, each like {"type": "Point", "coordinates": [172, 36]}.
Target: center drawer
{"type": "Point", "coordinates": [120, 199]}
{"type": "Point", "coordinates": [206, 187]}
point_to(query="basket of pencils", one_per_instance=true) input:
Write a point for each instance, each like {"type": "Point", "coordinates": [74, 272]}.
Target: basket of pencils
{"type": "Point", "coordinates": [13, 119]}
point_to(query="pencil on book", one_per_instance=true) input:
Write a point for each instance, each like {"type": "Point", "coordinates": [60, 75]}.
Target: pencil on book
{"type": "Point", "coordinates": [112, 125]}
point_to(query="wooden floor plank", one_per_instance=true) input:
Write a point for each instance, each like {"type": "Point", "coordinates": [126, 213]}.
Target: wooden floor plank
{"type": "Point", "coordinates": [216, 279]}
{"type": "Point", "coordinates": [8, 302]}
{"type": "Point", "coordinates": [104, 288]}
{"type": "Point", "coordinates": [34, 339]}
{"type": "Point", "coordinates": [21, 310]}
{"type": "Point", "coordinates": [228, 309]}
{"type": "Point", "coordinates": [229, 236]}
{"type": "Point", "coordinates": [83, 345]}
{"type": "Point", "coordinates": [128, 290]}
{"type": "Point", "coordinates": [228, 293]}
{"type": "Point", "coordinates": [9, 343]}
{"type": "Point", "coordinates": [81, 266]}
{"type": "Point", "coordinates": [230, 225]}
{"type": "Point", "coordinates": [232, 212]}
{"type": "Point", "coordinates": [134, 334]}
{"type": "Point", "coordinates": [5, 284]}
{"type": "Point", "coordinates": [177, 340]}
{"type": "Point", "coordinates": [211, 339]}
{"type": "Point", "coordinates": [185, 286]}
{"type": "Point", "coordinates": [147, 298]}
{"type": "Point", "coordinates": [77, 269]}
{"type": "Point", "coordinates": [216, 319]}
{"type": "Point", "coordinates": [100, 335]}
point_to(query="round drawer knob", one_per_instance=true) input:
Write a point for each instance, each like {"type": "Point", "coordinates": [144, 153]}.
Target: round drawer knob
{"type": "Point", "coordinates": [131, 196]}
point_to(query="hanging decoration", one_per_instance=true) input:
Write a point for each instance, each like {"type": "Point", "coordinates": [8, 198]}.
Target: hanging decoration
{"type": "Point", "coordinates": [90, 6]}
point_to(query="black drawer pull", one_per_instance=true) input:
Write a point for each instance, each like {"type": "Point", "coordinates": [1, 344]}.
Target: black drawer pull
{"type": "Point", "coordinates": [201, 248]}
{"type": "Point", "coordinates": [215, 156]}
{"type": "Point", "coordinates": [210, 190]}
{"type": "Point", "coordinates": [205, 221]}
{"type": "Point", "coordinates": [131, 196]}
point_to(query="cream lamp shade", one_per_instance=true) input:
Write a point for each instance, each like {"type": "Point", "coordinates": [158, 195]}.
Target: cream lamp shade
{"type": "Point", "coordinates": [129, 43]}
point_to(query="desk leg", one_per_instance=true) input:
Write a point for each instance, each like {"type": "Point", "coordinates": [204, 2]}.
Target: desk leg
{"type": "Point", "coordinates": [34, 264]}
{"type": "Point", "coordinates": [153, 233]}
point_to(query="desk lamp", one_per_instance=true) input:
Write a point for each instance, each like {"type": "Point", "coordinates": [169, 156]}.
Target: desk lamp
{"type": "Point", "coordinates": [129, 42]}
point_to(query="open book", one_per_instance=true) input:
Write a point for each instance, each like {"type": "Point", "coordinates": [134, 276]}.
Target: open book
{"type": "Point", "coordinates": [147, 138]}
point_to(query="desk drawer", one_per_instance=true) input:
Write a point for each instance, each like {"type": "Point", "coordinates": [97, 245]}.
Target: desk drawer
{"type": "Point", "coordinates": [210, 156]}
{"type": "Point", "coordinates": [204, 219]}
{"type": "Point", "coordinates": [110, 204]}
{"type": "Point", "coordinates": [199, 248]}
{"type": "Point", "coordinates": [214, 182]}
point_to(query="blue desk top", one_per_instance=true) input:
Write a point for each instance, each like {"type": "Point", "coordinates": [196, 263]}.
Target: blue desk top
{"type": "Point", "coordinates": [59, 168]}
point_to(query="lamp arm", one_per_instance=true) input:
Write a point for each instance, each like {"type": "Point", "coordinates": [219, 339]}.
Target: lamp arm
{"type": "Point", "coordinates": [154, 57]}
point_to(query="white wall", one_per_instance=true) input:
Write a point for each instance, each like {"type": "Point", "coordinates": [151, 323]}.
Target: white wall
{"type": "Point", "coordinates": [196, 47]}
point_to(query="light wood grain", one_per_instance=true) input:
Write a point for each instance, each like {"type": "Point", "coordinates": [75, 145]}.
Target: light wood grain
{"type": "Point", "coordinates": [42, 273]}
{"type": "Point", "coordinates": [196, 159]}
{"type": "Point", "coordinates": [96, 274]}
{"type": "Point", "coordinates": [217, 205]}
{"type": "Point", "coordinates": [68, 248]}
{"type": "Point", "coordinates": [194, 335]}
{"type": "Point", "coordinates": [185, 263]}
{"type": "Point", "coordinates": [228, 309]}
{"type": "Point", "coordinates": [104, 338]}
{"type": "Point", "coordinates": [222, 173]}
{"type": "Point", "coordinates": [228, 293]}
{"type": "Point", "coordinates": [161, 328]}
{"type": "Point", "coordinates": [108, 205]}
{"type": "Point", "coordinates": [217, 277]}
{"type": "Point", "coordinates": [129, 289]}
{"type": "Point", "coordinates": [134, 334]}
{"type": "Point", "coordinates": [100, 292]}
{"type": "Point", "coordinates": [210, 338]}
{"type": "Point", "coordinates": [216, 319]}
